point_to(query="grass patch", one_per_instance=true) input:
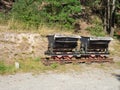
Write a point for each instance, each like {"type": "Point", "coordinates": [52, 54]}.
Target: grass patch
{"type": "Point", "coordinates": [35, 66]}
{"type": "Point", "coordinates": [97, 27]}
{"type": "Point", "coordinates": [32, 65]}
{"type": "Point", "coordinates": [54, 65]}
{"type": "Point", "coordinates": [96, 30]}
{"type": "Point", "coordinates": [6, 69]}
{"type": "Point", "coordinates": [43, 29]}
{"type": "Point", "coordinates": [118, 64]}
{"type": "Point", "coordinates": [115, 48]}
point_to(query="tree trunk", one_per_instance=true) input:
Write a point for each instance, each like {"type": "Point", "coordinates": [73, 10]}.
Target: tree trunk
{"type": "Point", "coordinates": [109, 16]}
{"type": "Point", "coordinates": [112, 17]}
{"type": "Point", "coordinates": [105, 20]}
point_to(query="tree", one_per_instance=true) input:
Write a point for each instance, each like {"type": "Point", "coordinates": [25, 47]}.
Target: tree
{"type": "Point", "coordinates": [106, 10]}
{"type": "Point", "coordinates": [109, 16]}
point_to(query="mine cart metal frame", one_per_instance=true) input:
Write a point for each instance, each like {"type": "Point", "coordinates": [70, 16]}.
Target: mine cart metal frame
{"type": "Point", "coordinates": [77, 49]}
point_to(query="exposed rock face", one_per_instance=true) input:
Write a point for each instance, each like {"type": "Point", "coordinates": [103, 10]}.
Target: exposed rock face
{"type": "Point", "coordinates": [22, 45]}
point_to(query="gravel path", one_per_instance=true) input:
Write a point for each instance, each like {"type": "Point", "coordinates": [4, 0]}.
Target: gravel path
{"type": "Point", "coordinates": [95, 79]}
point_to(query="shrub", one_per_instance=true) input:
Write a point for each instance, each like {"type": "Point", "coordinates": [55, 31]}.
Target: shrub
{"type": "Point", "coordinates": [35, 12]}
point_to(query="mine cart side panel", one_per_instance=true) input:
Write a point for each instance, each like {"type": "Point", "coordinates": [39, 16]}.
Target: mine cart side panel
{"type": "Point", "coordinates": [59, 44]}
{"type": "Point", "coordinates": [65, 42]}
{"type": "Point", "coordinates": [95, 45]}
{"type": "Point", "coordinates": [98, 44]}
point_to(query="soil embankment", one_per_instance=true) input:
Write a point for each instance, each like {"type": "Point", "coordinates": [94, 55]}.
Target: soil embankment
{"type": "Point", "coordinates": [21, 45]}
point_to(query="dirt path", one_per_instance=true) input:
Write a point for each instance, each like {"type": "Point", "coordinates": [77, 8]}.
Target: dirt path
{"type": "Point", "coordinates": [96, 79]}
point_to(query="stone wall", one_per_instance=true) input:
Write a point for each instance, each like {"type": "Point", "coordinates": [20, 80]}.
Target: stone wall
{"type": "Point", "coordinates": [21, 45]}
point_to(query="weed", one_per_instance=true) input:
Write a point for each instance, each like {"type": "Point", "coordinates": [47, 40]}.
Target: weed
{"type": "Point", "coordinates": [54, 65]}
{"type": "Point", "coordinates": [2, 68]}
{"type": "Point", "coordinates": [37, 59]}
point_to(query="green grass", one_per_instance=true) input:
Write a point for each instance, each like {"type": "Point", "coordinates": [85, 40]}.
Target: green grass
{"type": "Point", "coordinates": [116, 48]}
{"type": "Point", "coordinates": [43, 29]}
{"type": "Point", "coordinates": [54, 65]}
{"type": "Point", "coordinates": [118, 64]}
{"type": "Point", "coordinates": [96, 30]}
{"type": "Point", "coordinates": [35, 66]}
{"type": "Point", "coordinates": [32, 65]}
{"type": "Point", "coordinates": [6, 69]}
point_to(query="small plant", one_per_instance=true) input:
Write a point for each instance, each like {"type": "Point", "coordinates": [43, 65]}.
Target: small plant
{"type": "Point", "coordinates": [2, 68]}
{"type": "Point", "coordinates": [54, 65]}
{"type": "Point", "coordinates": [37, 59]}
{"type": "Point", "coordinates": [5, 69]}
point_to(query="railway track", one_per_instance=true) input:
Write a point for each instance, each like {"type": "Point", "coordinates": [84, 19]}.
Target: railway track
{"type": "Point", "coordinates": [49, 61]}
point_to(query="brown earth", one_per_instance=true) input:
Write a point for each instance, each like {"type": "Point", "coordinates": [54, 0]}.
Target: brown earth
{"type": "Point", "coordinates": [21, 45]}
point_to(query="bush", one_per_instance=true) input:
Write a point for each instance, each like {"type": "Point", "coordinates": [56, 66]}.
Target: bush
{"type": "Point", "coordinates": [35, 12]}
{"type": "Point", "coordinates": [26, 11]}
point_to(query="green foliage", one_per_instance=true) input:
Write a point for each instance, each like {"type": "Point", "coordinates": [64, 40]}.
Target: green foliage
{"type": "Point", "coordinates": [35, 12]}
{"type": "Point", "coordinates": [117, 14]}
{"type": "Point", "coordinates": [37, 59]}
{"type": "Point", "coordinates": [32, 65]}
{"type": "Point", "coordinates": [26, 11]}
{"type": "Point", "coordinates": [92, 3]}
{"type": "Point", "coordinates": [3, 18]}
{"type": "Point", "coordinates": [96, 30]}
{"type": "Point", "coordinates": [4, 69]}
{"type": "Point", "coordinates": [117, 18]}
{"type": "Point", "coordinates": [54, 65]}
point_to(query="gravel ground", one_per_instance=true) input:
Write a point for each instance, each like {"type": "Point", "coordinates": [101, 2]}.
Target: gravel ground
{"type": "Point", "coordinates": [95, 79]}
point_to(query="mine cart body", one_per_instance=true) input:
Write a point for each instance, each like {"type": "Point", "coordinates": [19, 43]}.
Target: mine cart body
{"type": "Point", "coordinates": [61, 45]}
{"type": "Point", "coordinates": [77, 46]}
{"type": "Point", "coordinates": [95, 45]}
{"type": "Point", "coordinates": [75, 49]}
